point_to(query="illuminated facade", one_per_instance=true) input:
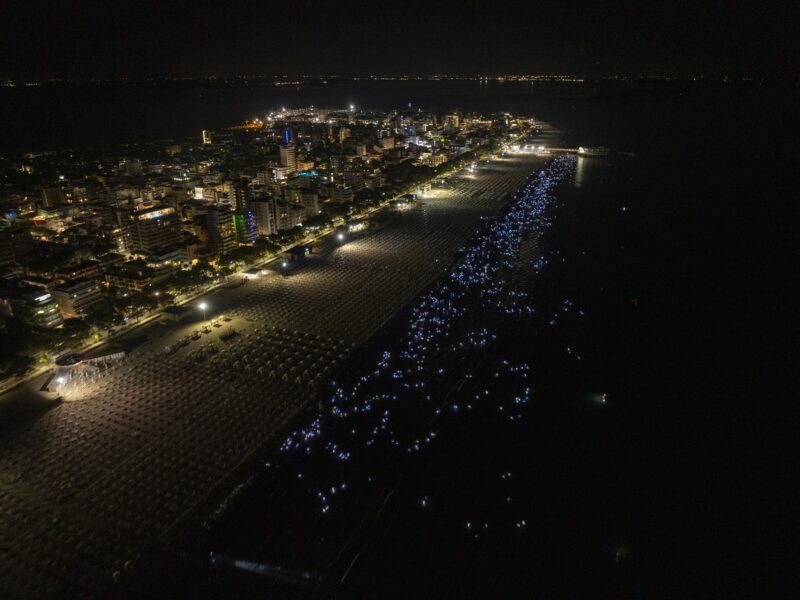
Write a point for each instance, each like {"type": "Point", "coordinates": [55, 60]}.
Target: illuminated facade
{"type": "Point", "coordinates": [77, 299]}
{"type": "Point", "coordinates": [263, 210]}
{"type": "Point", "coordinates": [151, 229]}
{"type": "Point", "coordinates": [31, 305]}
{"type": "Point", "coordinates": [244, 227]}
{"type": "Point", "coordinates": [289, 157]}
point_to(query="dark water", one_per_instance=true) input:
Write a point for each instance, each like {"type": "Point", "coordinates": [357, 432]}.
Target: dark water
{"type": "Point", "coordinates": [47, 118]}
{"type": "Point", "coordinates": [643, 116]}
{"type": "Point", "coordinates": [681, 261]}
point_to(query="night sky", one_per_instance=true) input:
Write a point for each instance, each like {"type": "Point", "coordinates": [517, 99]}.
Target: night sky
{"type": "Point", "coordinates": [201, 38]}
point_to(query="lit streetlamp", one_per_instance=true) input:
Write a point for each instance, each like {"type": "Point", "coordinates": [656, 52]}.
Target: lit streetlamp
{"type": "Point", "coordinates": [203, 306]}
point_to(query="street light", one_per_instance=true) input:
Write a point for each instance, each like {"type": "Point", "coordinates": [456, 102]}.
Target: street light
{"type": "Point", "coordinates": [203, 306]}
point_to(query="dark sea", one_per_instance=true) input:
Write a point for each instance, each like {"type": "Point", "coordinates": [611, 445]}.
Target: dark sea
{"type": "Point", "coordinates": [654, 454]}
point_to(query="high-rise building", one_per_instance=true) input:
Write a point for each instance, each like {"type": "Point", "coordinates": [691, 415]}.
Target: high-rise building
{"type": "Point", "coordinates": [240, 195]}
{"type": "Point", "coordinates": [289, 157]}
{"type": "Point", "coordinates": [264, 217]}
{"type": "Point", "coordinates": [288, 215]}
{"type": "Point", "coordinates": [52, 197]}
{"type": "Point", "coordinates": [243, 221]}
{"type": "Point", "coordinates": [308, 199]}
{"type": "Point", "coordinates": [219, 223]}
{"type": "Point", "coordinates": [150, 229]}
{"type": "Point", "coordinates": [206, 136]}
{"type": "Point", "coordinates": [244, 227]}
{"type": "Point", "coordinates": [310, 203]}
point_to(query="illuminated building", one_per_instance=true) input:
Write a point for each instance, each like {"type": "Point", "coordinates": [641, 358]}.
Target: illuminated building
{"type": "Point", "coordinates": [244, 227]}
{"type": "Point", "coordinates": [451, 122]}
{"type": "Point", "coordinates": [289, 157]}
{"type": "Point", "coordinates": [305, 165]}
{"type": "Point", "coordinates": [206, 137]}
{"type": "Point", "coordinates": [151, 229]}
{"type": "Point", "coordinates": [354, 179]}
{"type": "Point", "coordinates": [288, 215]}
{"type": "Point", "coordinates": [31, 305]}
{"type": "Point", "coordinates": [86, 269]}
{"type": "Point", "coordinates": [240, 194]}
{"type": "Point", "coordinates": [306, 198]}
{"type": "Point", "coordinates": [263, 210]}
{"type": "Point", "coordinates": [78, 298]}
{"type": "Point", "coordinates": [219, 224]}
{"type": "Point", "coordinates": [243, 221]}
{"type": "Point", "coordinates": [135, 276]}
{"type": "Point", "coordinates": [264, 178]}
{"type": "Point", "coordinates": [342, 193]}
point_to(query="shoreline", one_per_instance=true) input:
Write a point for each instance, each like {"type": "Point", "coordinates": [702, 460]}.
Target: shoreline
{"type": "Point", "coordinates": [253, 476]}
{"type": "Point", "coordinates": [224, 501]}
{"type": "Point", "coordinates": [169, 447]}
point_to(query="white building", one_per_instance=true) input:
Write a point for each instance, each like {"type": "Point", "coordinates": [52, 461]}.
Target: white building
{"type": "Point", "coordinates": [289, 157]}
{"type": "Point", "coordinates": [78, 298]}
{"type": "Point", "coordinates": [264, 215]}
